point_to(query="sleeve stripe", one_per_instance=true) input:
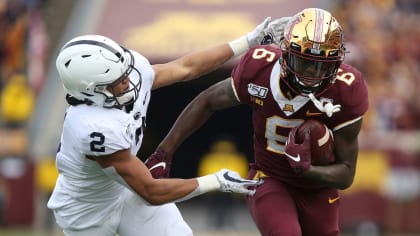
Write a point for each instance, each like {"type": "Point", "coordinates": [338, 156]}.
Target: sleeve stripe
{"type": "Point", "coordinates": [234, 89]}
{"type": "Point", "coordinates": [347, 123]}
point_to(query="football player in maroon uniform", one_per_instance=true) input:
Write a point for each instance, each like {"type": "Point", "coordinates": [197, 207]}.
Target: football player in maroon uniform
{"type": "Point", "coordinates": [302, 77]}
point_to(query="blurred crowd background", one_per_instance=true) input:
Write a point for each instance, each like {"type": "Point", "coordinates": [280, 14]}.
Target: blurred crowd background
{"type": "Point", "coordinates": [383, 40]}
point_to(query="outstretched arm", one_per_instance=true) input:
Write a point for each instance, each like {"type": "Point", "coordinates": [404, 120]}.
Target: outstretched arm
{"type": "Point", "coordinates": [129, 171]}
{"type": "Point", "coordinates": [195, 64]}
{"type": "Point", "coordinates": [191, 66]}
{"type": "Point", "coordinates": [198, 63]}
{"type": "Point", "coordinates": [132, 173]}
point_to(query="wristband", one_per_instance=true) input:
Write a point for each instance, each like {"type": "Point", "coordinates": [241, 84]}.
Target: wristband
{"type": "Point", "coordinates": [206, 184]}
{"type": "Point", "coordinates": [239, 45]}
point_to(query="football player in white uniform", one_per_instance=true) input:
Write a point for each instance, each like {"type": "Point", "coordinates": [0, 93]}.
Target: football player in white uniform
{"type": "Point", "coordinates": [103, 188]}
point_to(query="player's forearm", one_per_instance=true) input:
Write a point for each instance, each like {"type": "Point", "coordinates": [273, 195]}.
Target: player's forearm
{"type": "Point", "coordinates": [132, 173]}
{"type": "Point", "coordinates": [202, 62]}
{"type": "Point", "coordinates": [161, 191]}
{"type": "Point", "coordinates": [337, 176]}
{"type": "Point", "coordinates": [191, 119]}
{"type": "Point", "coordinates": [167, 190]}
{"type": "Point", "coordinates": [203, 185]}
{"type": "Point", "coordinates": [346, 148]}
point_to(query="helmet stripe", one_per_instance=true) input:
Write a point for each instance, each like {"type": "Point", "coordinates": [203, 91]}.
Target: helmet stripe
{"type": "Point", "coordinates": [92, 42]}
{"type": "Point", "coordinates": [319, 20]}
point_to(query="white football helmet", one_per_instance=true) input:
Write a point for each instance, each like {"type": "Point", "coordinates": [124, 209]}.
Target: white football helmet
{"type": "Point", "coordinates": [88, 67]}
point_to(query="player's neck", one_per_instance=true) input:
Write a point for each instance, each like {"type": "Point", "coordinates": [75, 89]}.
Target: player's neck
{"type": "Point", "coordinates": [288, 93]}
{"type": "Point", "coordinates": [128, 108]}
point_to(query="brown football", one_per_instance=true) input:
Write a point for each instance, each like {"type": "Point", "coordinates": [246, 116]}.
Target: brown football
{"type": "Point", "coordinates": [322, 143]}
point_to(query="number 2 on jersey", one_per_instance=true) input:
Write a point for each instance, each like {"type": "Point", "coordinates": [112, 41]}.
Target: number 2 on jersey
{"type": "Point", "coordinates": [97, 143]}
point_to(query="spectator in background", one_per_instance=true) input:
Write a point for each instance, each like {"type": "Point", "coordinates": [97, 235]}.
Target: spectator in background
{"type": "Point", "coordinates": [17, 101]}
{"type": "Point", "coordinates": [45, 177]}
{"type": "Point", "coordinates": [386, 33]}
{"type": "Point", "coordinates": [12, 39]}
{"type": "Point", "coordinates": [3, 200]}
{"type": "Point", "coordinates": [222, 154]}
{"type": "Point", "coordinates": [402, 189]}
{"type": "Point", "coordinates": [381, 38]}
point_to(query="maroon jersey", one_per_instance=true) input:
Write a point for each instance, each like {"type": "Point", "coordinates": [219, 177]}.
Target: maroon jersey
{"type": "Point", "coordinates": [256, 80]}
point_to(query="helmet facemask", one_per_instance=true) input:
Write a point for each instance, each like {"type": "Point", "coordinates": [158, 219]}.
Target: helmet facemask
{"type": "Point", "coordinates": [310, 73]}
{"type": "Point", "coordinates": [112, 99]}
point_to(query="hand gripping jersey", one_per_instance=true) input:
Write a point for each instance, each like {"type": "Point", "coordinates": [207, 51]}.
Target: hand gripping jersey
{"type": "Point", "coordinates": [256, 81]}
{"type": "Point", "coordinates": [84, 194]}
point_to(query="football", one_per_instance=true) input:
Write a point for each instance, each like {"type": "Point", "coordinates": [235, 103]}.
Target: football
{"type": "Point", "coordinates": [322, 143]}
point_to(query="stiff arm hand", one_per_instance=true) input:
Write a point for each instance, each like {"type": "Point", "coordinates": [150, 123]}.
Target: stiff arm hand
{"type": "Point", "coordinates": [274, 32]}
{"type": "Point", "coordinates": [231, 181]}
{"type": "Point", "coordinates": [226, 180]}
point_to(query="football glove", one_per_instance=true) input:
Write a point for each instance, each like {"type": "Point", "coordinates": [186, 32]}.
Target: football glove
{"type": "Point", "coordinates": [256, 36]}
{"type": "Point", "coordinates": [159, 164]}
{"type": "Point", "coordinates": [298, 155]}
{"type": "Point", "coordinates": [274, 31]}
{"type": "Point", "coordinates": [231, 181]}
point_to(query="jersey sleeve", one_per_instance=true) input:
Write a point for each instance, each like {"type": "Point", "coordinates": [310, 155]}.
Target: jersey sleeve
{"type": "Point", "coordinates": [353, 96]}
{"type": "Point", "coordinates": [239, 77]}
{"type": "Point", "coordinates": [254, 66]}
{"type": "Point", "coordinates": [104, 136]}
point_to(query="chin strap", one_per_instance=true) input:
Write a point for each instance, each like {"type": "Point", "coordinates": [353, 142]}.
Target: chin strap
{"type": "Point", "coordinates": [326, 107]}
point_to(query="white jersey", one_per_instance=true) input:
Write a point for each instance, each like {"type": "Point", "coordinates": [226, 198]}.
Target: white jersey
{"type": "Point", "coordinates": [84, 195]}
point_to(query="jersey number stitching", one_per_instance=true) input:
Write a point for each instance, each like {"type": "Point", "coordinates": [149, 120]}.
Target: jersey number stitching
{"type": "Point", "coordinates": [261, 53]}
{"type": "Point", "coordinates": [96, 145]}
{"type": "Point", "coordinates": [347, 77]}
{"type": "Point", "coordinates": [275, 141]}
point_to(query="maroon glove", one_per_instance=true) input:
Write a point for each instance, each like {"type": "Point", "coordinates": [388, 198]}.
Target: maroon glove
{"type": "Point", "coordinates": [159, 164]}
{"type": "Point", "coordinates": [298, 155]}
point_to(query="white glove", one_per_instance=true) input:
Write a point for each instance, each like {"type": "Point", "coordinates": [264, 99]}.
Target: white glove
{"type": "Point", "coordinates": [274, 32]}
{"type": "Point", "coordinates": [251, 39]}
{"type": "Point", "coordinates": [231, 181]}
{"type": "Point", "coordinates": [256, 36]}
